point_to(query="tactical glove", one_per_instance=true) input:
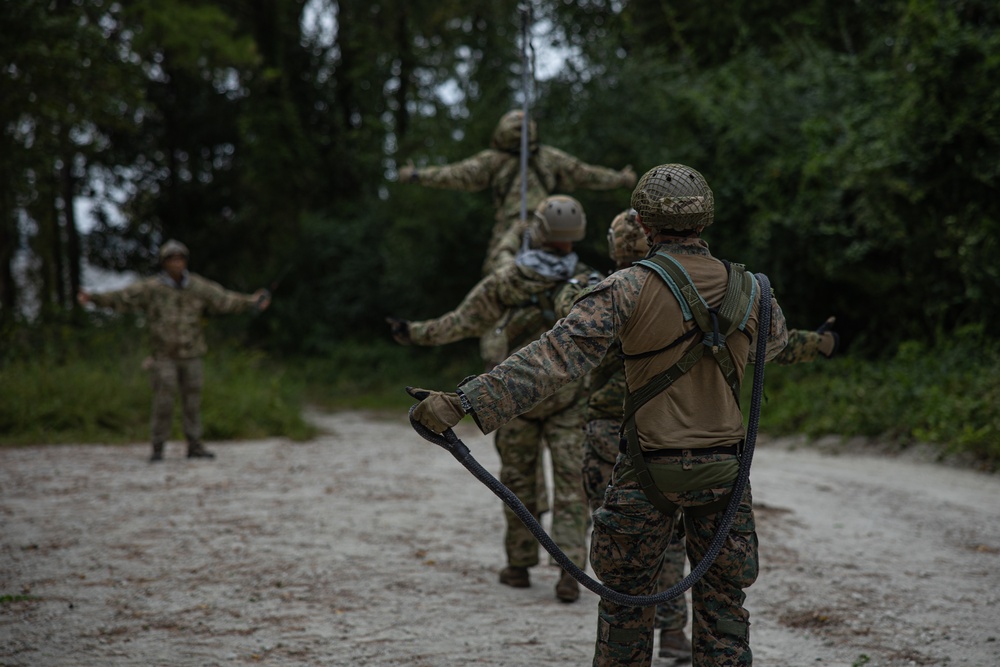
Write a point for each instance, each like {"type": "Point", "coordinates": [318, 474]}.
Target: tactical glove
{"type": "Point", "coordinates": [400, 330]}
{"type": "Point", "coordinates": [829, 341]}
{"type": "Point", "coordinates": [437, 410]}
{"type": "Point", "coordinates": [408, 173]}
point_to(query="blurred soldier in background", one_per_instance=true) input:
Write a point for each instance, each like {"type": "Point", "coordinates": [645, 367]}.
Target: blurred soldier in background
{"type": "Point", "coordinates": [550, 171]}
{"type": "Point", "coordinates": [519, 300]}
{"type": "Point", "coordinates": [174, 302]}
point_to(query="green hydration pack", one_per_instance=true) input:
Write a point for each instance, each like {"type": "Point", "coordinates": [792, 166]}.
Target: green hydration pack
{"type": "Point", "coordinates": [714, 325]}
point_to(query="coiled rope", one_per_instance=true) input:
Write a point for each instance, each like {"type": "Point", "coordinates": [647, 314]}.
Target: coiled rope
{"type": "Point", "coordinates": [449, 441]}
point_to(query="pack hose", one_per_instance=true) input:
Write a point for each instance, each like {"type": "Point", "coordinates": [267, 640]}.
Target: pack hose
{"type": "Point", "coordinates": [449, 441]}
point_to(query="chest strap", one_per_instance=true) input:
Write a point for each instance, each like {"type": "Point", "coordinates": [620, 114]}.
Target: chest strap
{"type": "Point", "coordinates": [714, 324]}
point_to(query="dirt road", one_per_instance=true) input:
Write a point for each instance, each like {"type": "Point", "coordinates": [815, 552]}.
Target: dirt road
{"type": "Point", "coordinates": [369, 546]}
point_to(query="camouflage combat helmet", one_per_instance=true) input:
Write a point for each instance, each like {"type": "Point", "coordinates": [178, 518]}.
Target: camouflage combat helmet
{"type": "Point", "coordinates": [673, 196]}
{"type": "Point", "coordinates": [507, 136]}
{"type": "Point", "coordinates": [171, 248]}
{"type": "Point", "coordinates": [561, 218]}
{"type": "Point", "coordinates": [626, 241]}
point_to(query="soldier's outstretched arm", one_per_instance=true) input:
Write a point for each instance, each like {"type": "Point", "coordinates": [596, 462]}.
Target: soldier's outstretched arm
{"type": "Point", "coordinates": [479, 310]}
{"type": "Point", "coordinates": [471, 174]}
{"type": "Point", "coordinates": [806, 346]}
{"type": "Point", "coordinates": [573, 173]}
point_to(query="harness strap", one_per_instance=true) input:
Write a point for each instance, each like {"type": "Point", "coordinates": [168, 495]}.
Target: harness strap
{"type": "Point", "coordinates": [715, 324]}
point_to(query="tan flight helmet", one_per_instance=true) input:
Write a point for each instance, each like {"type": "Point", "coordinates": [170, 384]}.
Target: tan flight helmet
{"type": "Point", "coordinates": [171, 248]}
{"type": "Point", "coordinates": [626, 240]}
{"type": "Point", "coordinates": [560, 218]}
{"type": "Point", "coordinates": [507, 135]}
{"type": "Point", "coordinates": [674, 197]}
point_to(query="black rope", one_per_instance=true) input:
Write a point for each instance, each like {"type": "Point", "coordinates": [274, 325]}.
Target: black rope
{"type": "Point", "coordinates": [449, 441]}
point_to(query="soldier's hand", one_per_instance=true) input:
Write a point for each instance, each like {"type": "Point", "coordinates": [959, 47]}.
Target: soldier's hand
{"type": "Point", "coordinates": [400, 330]}
{"type": "Point", "coordinates": [628, 176]}
{"type": "Point", "coordinates": [82, 298]}
{"type": "Point", "coordinates": [437, 410]}
{"type": "Point", "coordinates": [408, 173]}
{"type": "Point", "coordinates": [262, 299]}
{"type": "Point", "coordinates": [829, 340]}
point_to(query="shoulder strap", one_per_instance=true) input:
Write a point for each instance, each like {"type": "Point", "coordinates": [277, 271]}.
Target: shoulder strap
{"type": "Point", "coordinates": [714, 324]}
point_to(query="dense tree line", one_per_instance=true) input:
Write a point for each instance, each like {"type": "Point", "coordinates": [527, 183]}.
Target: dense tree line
{"type": "Point", "coordinates": [852, 147]}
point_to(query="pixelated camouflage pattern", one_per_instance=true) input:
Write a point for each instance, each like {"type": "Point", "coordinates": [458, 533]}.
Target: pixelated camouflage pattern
{"type": "Point", "coordinates": [573, 348]}
{"type": "Point", "coordinates": [626, 241]}
{"type": "Point", "coordinates": [517, 443]}
{"type": "Point", "coordinates": [600, 451]}
{"type": "Point", "coordinates": [174, 314]}
{"type": "Point", "coordinates": [168, 378]}
{"type": "Point", "coordinates": [630, 536]}
{"type": "Point", "coordinates": [803, 347]}
{"type": "Point", "coordinates": [550, 170]}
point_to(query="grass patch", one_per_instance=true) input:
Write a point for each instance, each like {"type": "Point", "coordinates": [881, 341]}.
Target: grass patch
{"type": "Point", "coordinates": [946, 394]}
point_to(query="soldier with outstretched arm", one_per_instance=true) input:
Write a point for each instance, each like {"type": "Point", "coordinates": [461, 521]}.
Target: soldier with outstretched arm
{"type": "Point", "coordinates": [687, 325]}
{"type": "Point", "coordinates": [550, 171]}
{"type": "Point", "coordinates": [174, 302]}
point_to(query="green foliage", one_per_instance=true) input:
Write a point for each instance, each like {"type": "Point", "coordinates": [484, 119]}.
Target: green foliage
{"type": "Point", "coordinates": [945, 394]}
{"type": "Point", "coordinates": [66, 385]}
{"type": "Point", "coordinates": [374, 374]}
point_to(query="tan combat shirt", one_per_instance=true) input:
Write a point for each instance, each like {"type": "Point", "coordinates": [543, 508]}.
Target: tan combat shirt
{"type": "Point", "coordinates": [634, 306]}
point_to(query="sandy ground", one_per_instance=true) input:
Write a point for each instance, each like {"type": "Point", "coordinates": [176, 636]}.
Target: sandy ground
{"type": "Point", "coordinates": [370, 546]}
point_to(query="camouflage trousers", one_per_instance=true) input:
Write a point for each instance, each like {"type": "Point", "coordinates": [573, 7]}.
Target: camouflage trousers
{"type": "Point", "coordinates": [629, 539]}
{"type": "Point", "coordinates": [168, 378]}
{"type": "Point", "coordinates": [600, 451]}
{"type": "Point", "coordinates": [518, 443]}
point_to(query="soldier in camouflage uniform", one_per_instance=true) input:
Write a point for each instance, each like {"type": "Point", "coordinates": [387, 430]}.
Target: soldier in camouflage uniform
{"type": "Point", "coordinates": [688, 436]}
{"type": "Point", "coordinates": [550, 170]}
{"type": "Point", "coordinates": [521, 298]}
{"type": "Point", "coordinates": [174, 302]}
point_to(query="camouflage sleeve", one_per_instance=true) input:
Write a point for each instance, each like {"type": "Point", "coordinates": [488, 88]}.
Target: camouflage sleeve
{"type": "Point", "coordinates": [471, 174]}
{"type": "Point", "coordinates": [777, 337]}
{"type": "Point", "coordinates": [131, 298]}
{"type": "Point", "coordinates": [803, 347]}
{"type": "Point", "coordinates": [572, 348]}
{"type": "Point", "coordinates": [572, 173]}
{"type": "Point", "coordinates": [479, 310]}
{"type": "Point", "coordinates": [219, 300]}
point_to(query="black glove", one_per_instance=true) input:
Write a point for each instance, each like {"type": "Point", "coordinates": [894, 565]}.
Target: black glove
{"type": "Point", "coordinates": [400, 330]}
{"type": "Point", "coordinates": [829, 340]}
{"type": "Point", "coordinates": [437, 410]}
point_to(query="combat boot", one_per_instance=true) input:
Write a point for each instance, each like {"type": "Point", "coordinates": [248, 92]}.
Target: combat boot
{"type": "Point", "coordinates": [674, 644]}
{"type": "Point", "coordinates": [515, 577]}
{"type": "Point", "coordinates": [197, 451]}
{"type": "Point", "coordinates": [157, 452]}
{"type": "Point", "coordinates": [567, 590]}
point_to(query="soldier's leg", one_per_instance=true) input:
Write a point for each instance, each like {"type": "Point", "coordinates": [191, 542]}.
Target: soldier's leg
{"type": "Point", "coordinates": [563, 432]}
{"type": "Point", "coordinates": [720, 622]}
{"type": "Point", "coordinates": [600, 450]}
{"type": "Point", "coordinates": [192, 380]}
{"type": "Point", "coordinates": [517, 444]}
{"type": "Point", "coordinates": [626, 551]}
{"type": "Point", "coordinates": [163, 379]}
{"type": "Point", "coordinates": [671, 616]}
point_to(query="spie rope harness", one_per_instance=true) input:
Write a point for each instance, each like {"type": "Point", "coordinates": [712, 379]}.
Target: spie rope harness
{"type": "Point", "coordinates": [450, 442]}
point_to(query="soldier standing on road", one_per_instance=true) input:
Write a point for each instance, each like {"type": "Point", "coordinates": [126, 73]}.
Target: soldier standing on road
{"type": "Point", "coordinates": [521, 298]}
{"type": "Point", "coordinates": [687, 324]}
{"type": "Point", "coordinates": [550, 171]}
{"type": "Point", "coordinates": [174, 302]}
